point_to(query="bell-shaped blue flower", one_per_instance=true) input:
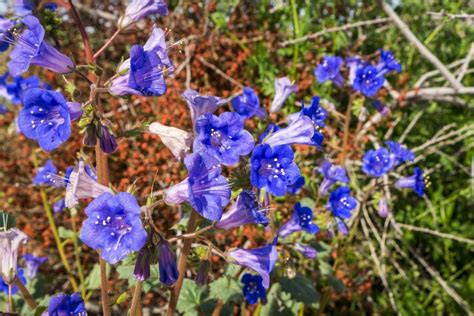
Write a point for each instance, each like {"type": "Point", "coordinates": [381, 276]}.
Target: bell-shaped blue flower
{"type": "Point", "coordinates": [167, 263]}
{"type": "Point", "coordinates": [20, 274]}
{"type": "Point", "coordinates": [378, 162]}
{"type": "Point", "coordinates": [388, 62]}
{"type": "Point", "coordinates": [31, 49]}
{"type": "Point", "coordinates": [400, 153]}
{"type": "Point", "coordinates": [247, 104]}
{"type": "Point", "coordinates": [329, 69]}
{"type": "Point", "coordinates": [246, 210]}
{"type": "Point", "coordinates": [146, 75]}
{"type": "Point", "coordinates": [45, 118]}
{"type": "Point", "coordinates": [113, 226]}
{"type": "Point", "coordinates": [300, 131]}
{"type": "Point", "coordinates": [201, 104]}
{"type": "Point", "coordinates": [64, 304]}
{"type": "Point", "coordinates": [332, 174]}
{"type": "Point", "coordinates": [261, 260]}
{"type": "Point", "coordinates": [314, 111]}
{"type": "Point", "coordinates": [223, 136]}
{"type": "Point", "coordinates": [33, 263]}
{"type": "Point", "coordinates": [141, 271]}
{"type": "Point", "coordinates": [283, 89]}
{"type": "Point", "coordinates": [341, 203]}
{"type": "Point", "coordinates": [138, 9]}
{"type": "Point", "coordinates": [302, 219]}
{"type": "Point", "coordinates": [417, 182]}
{"type": "Point", "coordinates": [47, 174]}
{"type": "Point", "coordinates": [273, 168]}
{"type": "Point", "coordinates": [253, 289]}
{"type": "Point", "coordinates": [368, 80]}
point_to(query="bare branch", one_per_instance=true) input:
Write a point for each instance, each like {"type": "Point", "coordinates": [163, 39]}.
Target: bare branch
{"type": "Point", "coordinates": [436, 233]}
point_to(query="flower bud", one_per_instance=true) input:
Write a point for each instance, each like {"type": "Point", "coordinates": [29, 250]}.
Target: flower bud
{"type": "Point", "coordinates": [142, 265]}
{"type": "Point", "coordinates": [108, 144]}
{"type": "Point", "coordinates": [203, 273]}
{"type": "Point", "coordinates": [90, 136]}
{"type": "Point", "coordinates": [167, 263]}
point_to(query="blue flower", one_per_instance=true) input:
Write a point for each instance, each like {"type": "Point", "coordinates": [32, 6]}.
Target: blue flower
{"type": "Point", "coordinates": [246, 210]}
{"type": "Point", "coordinates": [107, 141]}
{"type": "Point", "coordinates": [307, 251]}
{"type": "Point", "coordinates": [368, 80]}
{"type": "Point", "coordinates": [330, 69]}
{"type": "Point", "coordinates": [341, 203]}
{"type": "Point", "coordinates": [261, 260]}
{"type": "Point", "coordinates": [200, 104]}
{"type": "Point", "coordinates": [247, 104]}
{"type": "Point", "coordinates": [20, 85]}
{"type": "Point", "coordinates": [332, 174]}
{"type": "Point", "coordinates": [399, 152]}
{"type": "Point", "coordinates": [295, 187]}
{"type": "Point", "coordinates": [167, 263]}
{"type": "Point", "coordinates": [388, 62]}
{"type": "Point", "coordinates": [302, 219]}
{"type": "Point", "coordinates": [5, 35]}
{"type": "Point", "coordinates": [47, 174]}
{"type": "Point", "coordinates": [138, 9]}
{"type": "Point", "coordinates": [223, 137]}
{"type": "Point", "coordinates": [30, 48]}
{"type": "Point", "coordinates": [63, 304]}
{"type": "Point", "coordinates": [141, 271]}
{"type": "Point", "coordinates": [416, 182]}
{"type": "Point", "coordinates": [380, 107]}
{"type": "Point", "coordinates": [114, 226]}
{"type": "Point", "coordinates": [378, 162]}
{"type": "Point", "coordinates": [33, 263]}
{"type": "Point", "coordinates": [283, 89]}
{"type": "Point", "coordinates": [299, 131]}
{"type": "Point", "coordinates": [314, 111]}
{"type": "Point", "coordinates": [253, 289]}
{"type": "Point", "coordinates": [20, 274]}
{"type": "Point", "coordinates": [271, 128]}
{"type": "Point", "coordinates": [146, 75]}
{"type": "Point", "coordinates": [45, 118]}
{"type": "Point", "coordinates": [59, 206]}
{"type": "Point", "coordinates": [273, 168]}
{"type": "Point", "coordinates": [342, 227]}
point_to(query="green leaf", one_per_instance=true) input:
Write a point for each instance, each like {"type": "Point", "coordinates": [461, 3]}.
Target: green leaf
{"type": "Point", "coordinates": [226, 289]}
{"type": "Point", "coordinates": [190, 298]}
{"type": "Point", "coordinates": [7, 221]}
{"type": "Point", "coordinates": [92, 281]}
{"type": "Point", "coordinates": [65, 233]}
{"type": "Point", "coordinates": [122, 298]}
{"type": "Point", "coordinates": [301, 289]}
{"type": "Point", "coordinates": [276, 304]}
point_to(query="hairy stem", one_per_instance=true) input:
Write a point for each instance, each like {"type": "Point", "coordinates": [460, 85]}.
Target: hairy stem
{"type": "Point", "coordinates": [137, 294]}
{"type": "Point", "coordinates": [107, 44]}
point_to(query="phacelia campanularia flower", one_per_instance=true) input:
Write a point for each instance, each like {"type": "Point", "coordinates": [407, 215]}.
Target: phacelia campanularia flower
{"type": "Point", "coordinates": [177, 140]}
{"type": "Point", "coordinates": [139, 9]}
{"type": "Point", "coordinates": [400, 153]}
{"type": "Point", "coordinates": [201, 104]}
{"type": "Point", "coordinates": [388, 62]}
{"type": "Point", "coordinates": [20, 275]}
{"type": "Point", "coordinates": [299, 131]}
{"type": "Point", "coordinates": [296, 187]}
{"type": "Point", "coordinates": [378, 162]}
{"type": "Point", "coordinates": [261, 260]}
{"type": "Point", "coordinates": [301, 220]}
{"type": "Point", "coordinates": [253, 289]}
{"type": "Point", "coordinates": [247, 104]}
{"type": "Point", "coordinates": [314, 111]}
{"type": "Point", "coordinates": [368, 80]}
{"type": "Point", "coordinates": [330, 69]}
{"type": "Point", "coordinates": [283, 89]}
{"type": "Point", "coordinates": [246, 210]}
{"type": "Point", "coordinates": [223, 136]}
{"type": "Point", "coordinates": [45, 117]}
{"type": "Point", "coordinates": [47, 174]}
{"type": "Point", "coordinates": [18, 87]}
{"type": "Point", "coordinates": [141, 271]}
{"type": "Point", "coordinates": [307, 251]}
{"type": "Point", "coordinates": [10, 242]}
{"type": "Point", "coordinates": [167, 263]}
{"type": "Point", "coordinates": [341, 203]}
{"type": "Point", "coordinates": [31, 49]}
{"type": "Point", "coordinates": [33, 263]}
{"type": "Point", "coordinates": [383, 209]}
{"type": "Point", "coordinates": [417, 182]}
{"type": "Point", "coordinates": [332, 174]}
{"type": "Point", "coordinates": [64, 304]}
{"type": "Point", "coordinates": [273, 168]}
{"type": "Point", "coordinates": [113, 226]}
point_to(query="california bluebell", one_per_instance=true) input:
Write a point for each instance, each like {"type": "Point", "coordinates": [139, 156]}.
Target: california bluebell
{"type": "Point", "coordinates": [10, 242]}
{"type": "Point", "coordinates": [329, 69]}
{"type": "Point", "coordinates": [138, 9]}
{"type": "Point", "coordinates": [307, 251]}
{"type": "Point", "coordinates": [342, 227]}
{"type": "Point", "coordinates": [269, 130]}
{"type": "Point", "coordinates": [273, 168]}
{"type": "Point", "coordinates": [261, 260]}
{"type": "Point", "coordinates": [64, 304]}
{"type": "Point", "coordinates": [388, 62]}
{"type": "Point", "coordinates": [107, 141]}
{"type": "Point", "coordinates": [300, 131]}
{"type": "Point", "coordinates": [33, 263]}
{"type": "Point", "coordinates": [383, 208]}
{"type": "Point", "coordinates": [247, 104]}
{"type": "Point", "coordinates": [20, 275]}
{"type": "Point", "coordinates": [6, 36]}
{"type": "Point", "coordinates": [177, 140]}
{"type": "Point", "coordinates": [283, 89]}
{"type": "Point", "coordinates": [416, 182]}
{"type": "Point", "coordinates": [167, 263]}
{"type": "Point", "coordinates": [378, 162]}
{"type": "Point", "coordinates": [113, 225]}
{"type": "Point", "coordinates": [341, 203]}
{"type": "Point", "coordinates": [253, 289]}
{"type": "Point", "coordinates": [314, 111]}
{"type": "Point", "coordinates": [246, 210]}
{"type": "Point", "coordinates": [380, 107]}
{"type": "Point", "coordinates": [200, 104]}
{"type": "Point", "coordinates": [30, 48]}
{"type": "Point", "coordinates": [223, 136]}
{"type": "Point", "coordinates": [47, 174]}
{"type": "Point", "coordinates": [141, 271]}
{"type": "Point", "coordinates": [368, 80]}
{"type": "Point", "coordinates": [332, 174]}
{"type": "Point", "coordinates": [399, 152]}
{"type": "Point", "coordinates": [302, 219]}
{"type": "Point", "coordinates": [20, 85]}
{"type": "Point", "coordinates": [45, 118]}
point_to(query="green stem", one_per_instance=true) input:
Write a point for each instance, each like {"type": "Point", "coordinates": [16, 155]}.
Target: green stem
{"type": "Point", "coordinates": [296, 49]}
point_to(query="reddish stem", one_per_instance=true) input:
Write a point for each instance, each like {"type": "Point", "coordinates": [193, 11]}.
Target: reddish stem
{"type": "Point", "coordinates": [107, 44]}
{"type": "Point", "coordinates": [85, 37]}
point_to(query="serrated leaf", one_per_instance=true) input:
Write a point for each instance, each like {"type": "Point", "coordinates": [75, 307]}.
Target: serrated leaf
{"type": "Point", "coordinates": [226, 289]}
{"type": "Point", "coordinates": [275, 304]}
{"type": "Point", "coordinates": [301, 289]}
{"type": "Point", "coordinates": [190, 298]}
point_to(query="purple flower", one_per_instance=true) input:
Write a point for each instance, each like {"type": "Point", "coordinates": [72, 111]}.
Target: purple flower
{"type": "Point", "coordinates": [295, 187]}
{"type": "Point", "coordinates": [10, 242]}
{"type": "Point", "coordinates": [178, 141]}
{"type": "Point", "coordinates": [246, 210]}
{"type": "Point", "coordinates": [253, 289]}
{"type": "Point", "coordinates": [247, 104]}
{"type": "Point", "coordinates": [273, 168]}
{"type": "Point", "coordinates": [30, 48]}
{"type": "Point", "coordinates": [417, 182]}
{"type": "Point", "coordinates": [315, 112]}
{"type": "Point", "coordinates": [332, 174]}
{"type": "Point", "coordinates": [302, 219]}
{"type": "Point", "coordinates": [200, 104]}
{"type": "Point", "coordinates": [59, 206]}
{"type": "Point", "coordinates": [378, 162]}
{"type": "Point", "coordinates": [388, 62]}
{"type": "Point", "coordinates": [20, 85]}
{"type": "Point", "coordinates": [342, 227]}
{"type": "Point", "coordinates": [368, 80]}
{"type": "Point", "coordinates": [307, 251]}
{"type": "Point", "coordinates": [24, 7]}
{"type": "Point", "coordinates": [33, 263]}
{"type": "Point", "coordinates": [63, 304]}
{"type": "Point", "coordinates": [138, 9]}
{"type": "Point", "coordinates": [400, 153]}
{"type": "Point", "coordinates": [223, 136]}
{"type": "Point", "coordinates": [299, 131]}
{"type": "Point", "coordinates": [380, 107]}
{"type": "Point", "coordinates": [261, 260]}
{"type": "Point", "coordinates": [341, 203]}
{"type": "Point", "coordinates": [283, 89]}
{"type": "Point", "coordinates": [20, 276]}
{"type": "Point", "coordinates": [167, 263]}
{"type": "Point", "coordinates": [330, 69]}
{"type": "Point", "coordinates": [205, 189]}
{"type": "Point", "coordinates": [5, 35]}
{"type": "Point", "coordinates": [114, 226]}
{"type": "Point", "coordinates": [142, 265]}
{"type": "Point", "coordinates": [45, 118]}
{"type": "Point", "coordinates": [383, 208]}
{"type": "Point", "coordinates": [47, 174]}
{"type": "Point", "coordinates": [108, 144]}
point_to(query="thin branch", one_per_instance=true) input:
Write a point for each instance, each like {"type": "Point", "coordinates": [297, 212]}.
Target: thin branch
{"type": "Point", "coordinates": [85, 37]}
{"type": "Point", "coordinates": [436, 233]}
{"type": "Point", "coordinates": [439, 15]}
{"type": "Point", "coordinates": [220, 72]}
{"type": "Point", "coordinates": [465, 65]}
